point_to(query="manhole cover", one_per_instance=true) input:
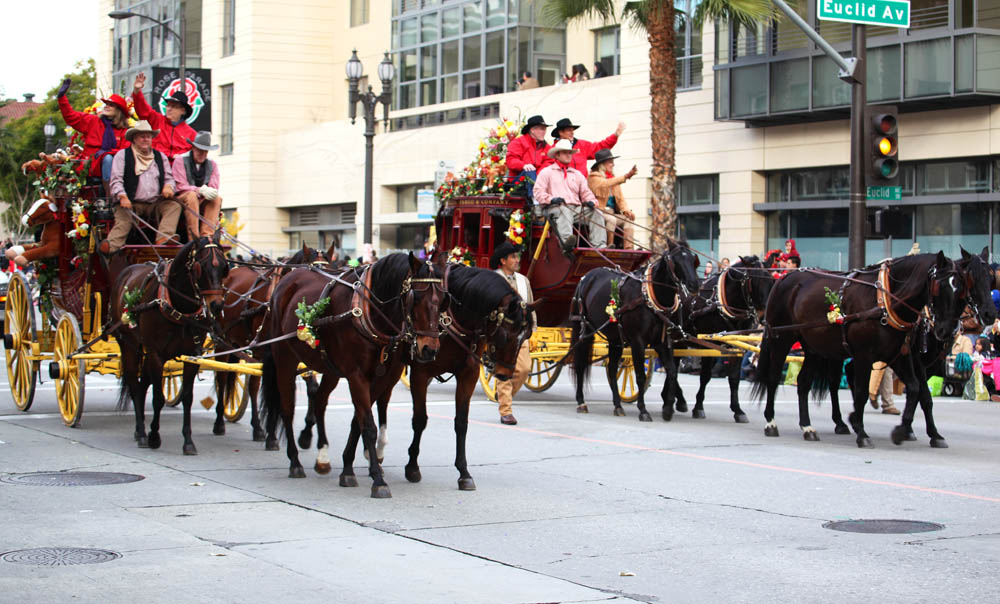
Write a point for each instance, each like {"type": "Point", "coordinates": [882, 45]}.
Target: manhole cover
{"type": "Point", "coordinates": [71, 479]}
{"type": "Point", "coordinates": [884, 527]}
{"type": "Point", "coordinates": [59, 556]}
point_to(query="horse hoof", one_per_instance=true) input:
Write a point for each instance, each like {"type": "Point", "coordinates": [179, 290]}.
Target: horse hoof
{"type": "Point", "coordinates": [466, 484]}
{"type": "Point", "coordinates": [142, 442]}
{"type": "Point", "coordinates": [619, 412]}
{"type": "Point", "coordinates": [348, 480]}
{"type": "Point", "coordinates": [305, 441]}
{"type": "Point", "coordinates": [865, 443]}
{"type": "Point", "coordinates": [810, 436]}
{"type": "Point", "coordinates": [770, 430]}
{"type": "Point", "coordinates": [741, 418]}
{"type": "Point", "coordinates": [582, 409]}
{"type": "Point", "coordinates": [322, 468]}
{"type": "Point", "coordinates": [939, 443]}
{"type": "Point", "coordinates": [296, 472]}
{"type": "Point", "coordinates": [271, 445]}
{"type": "Point", "coordinates": [841, 429]}
{"type": "Point", "coordinates": [644, 417]}
{"type": "Point", "coordinates": [154, 440]}
{"type": "Point", "coordinates": [682, 407]}
{"type": "Point", "coordinates": [190, 449]}
{"type": "Point", "coordinates": [898, 435]}
{"type": "Point", "coordinates": [381, 492]}
{"type": "Point", "coordinates": [219, 429]}
{"type": "Point", "coordinates": [697, 414]}
{"type": "Point", "coordinates": [259, 435]}
{"type": "Point", "coordinates": [413, 475]}
{"type": "Point", "coordinates": [667, 415]}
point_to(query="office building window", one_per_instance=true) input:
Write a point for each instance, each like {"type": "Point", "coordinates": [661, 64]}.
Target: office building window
{"type": "Point", "coordinates": [226, 132]}
{"type": "Point", "coordinates": [228, 27]}
{"type": "Point", "coordinates": [607, 49]}
{"type": "Point", "coordinates": [697, 200]}
{"type": "Point", "coordinates": [688, 45]}
{"type": "Point", "coordinates": [359, 12]}
{"type": "Point", "coordinates": [406, 196]}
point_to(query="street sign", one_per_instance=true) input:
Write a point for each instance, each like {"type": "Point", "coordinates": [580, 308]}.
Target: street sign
{"type": "Point", "coordinates": [444, 167]}
{"type": "Point", "coordinates": [887, 13]}
{"type": "Point", "coordinates": [885, 194]}
{"type": "Point", "coordinates": [426, 204]}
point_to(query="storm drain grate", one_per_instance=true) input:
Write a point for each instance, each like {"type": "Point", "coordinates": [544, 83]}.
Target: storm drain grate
{"type": "Point", "coordinates": [59, 556]}
{"type": "Point", "coordinates": [883, 527]}
{"type": "Point", "coordinates": [71, 479]}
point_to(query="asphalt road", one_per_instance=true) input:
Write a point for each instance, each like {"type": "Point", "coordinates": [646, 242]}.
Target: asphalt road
{"type": "Point", "coordinates": [569, 508]}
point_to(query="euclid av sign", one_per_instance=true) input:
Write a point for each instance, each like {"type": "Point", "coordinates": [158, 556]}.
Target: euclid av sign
{"type": "Point", "coordinates": [887, 13]}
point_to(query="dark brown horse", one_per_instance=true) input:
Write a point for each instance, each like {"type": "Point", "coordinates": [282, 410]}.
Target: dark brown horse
{"type": "Point", "coordinates": [882, 308]}
{"type": "Point", "coordinates": [373, 313]}
{"type": "Point", "coordinates": [176, 304]}
{"type": "Point", "coordinates": [486, 323]}
{"type": "Point", "coordinates": [647, 298]}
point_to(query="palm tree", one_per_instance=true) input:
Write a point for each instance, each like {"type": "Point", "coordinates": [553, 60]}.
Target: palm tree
{"type": "Point", "coordinates": [656, 18]}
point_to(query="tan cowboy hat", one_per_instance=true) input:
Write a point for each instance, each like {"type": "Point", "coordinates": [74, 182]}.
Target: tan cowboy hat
{"type": "Point", "coordinates": [562, 145]}
{"type": "Point", "coordinates": [142, 126]}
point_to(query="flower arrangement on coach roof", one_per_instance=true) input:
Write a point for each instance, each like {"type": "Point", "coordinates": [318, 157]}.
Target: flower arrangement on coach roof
{"type": "Point", "coordinates": [614, 302]}
{"type": "Point", "coordinates": [833, 314]}
{"type": "Point", "coordinates": [81, 221]}
{"type": "Point", "coordinates": [307, 315]}
{"type": "Point", "coordinates": [515, 227]}
{"type": "Point", "coordinates": [461, 255]}
{"type": "Point", "coordinates": [487, 173]}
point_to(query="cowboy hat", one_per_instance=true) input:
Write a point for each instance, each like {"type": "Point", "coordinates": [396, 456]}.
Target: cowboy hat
{"type": "Point", "coordinates": [181, 99]}
{"type": "Point", "coordinates": [535, 120]}
{"type": "Point", "coordinates": [602, 156]}
{"type": "Point", "coordinates": [117, 101]}
{"type": "Point", "coordinates": [502, 251]}
{"type": "Point", "coordinates": [563, 123]}
{"type": "Point", "coordinates": [141, 127]}
{"type": "Point", "coordinates": [562, 145]}
{"type": "Point", "coordinates": [203, 141]}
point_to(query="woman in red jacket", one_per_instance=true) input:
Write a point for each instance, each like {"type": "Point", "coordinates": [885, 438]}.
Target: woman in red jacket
{"type": "Point", "coordinates": [103, 135]}
{"type": "Point", "coordinates": [565, 130]}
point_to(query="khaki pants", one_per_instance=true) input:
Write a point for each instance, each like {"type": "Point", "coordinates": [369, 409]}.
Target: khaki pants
{"type": "Point", "coordinates": [196, 206]}
{"type": "Point", "coordinates": [612, 222]}
{"type": "Point", "coordinates": [507, 389]}
{"type": "Point", "coordinates": [563, 216]}
{"type": "Point", "coordinates": [162, 214]}
{"type": "Point", "coordinates": [880, 384]}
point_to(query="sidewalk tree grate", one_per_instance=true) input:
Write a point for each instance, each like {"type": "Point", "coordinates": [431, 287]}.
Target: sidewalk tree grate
{"type": "Point", "coordinates": [59, 556]}
{"type": "Point", "coordinates": [71, 479]}
{"type": "Point", "coordinates": [883, 527]}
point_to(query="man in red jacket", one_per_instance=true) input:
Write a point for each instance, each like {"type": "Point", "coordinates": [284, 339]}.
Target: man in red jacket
{"type": "Point", "coordinates": [174, 129]}
{"type": "Point", "coordinates": [103, 135]}
{"type": "Point", "coordinates": [528, 153]}
{"type": "Point", "coordinates": [565, 130]}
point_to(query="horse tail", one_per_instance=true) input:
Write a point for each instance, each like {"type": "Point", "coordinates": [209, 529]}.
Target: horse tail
{"type": "Point", "coordinates": [124, 390]}
{"type": "Point", "coordinates": [827, 375]}
{"type": "Point", "coordinates": [271, 407]}
{"type": "Point", "coordinates": [582, 347]}
{"type": "Point", "coordinates": [765, 367]}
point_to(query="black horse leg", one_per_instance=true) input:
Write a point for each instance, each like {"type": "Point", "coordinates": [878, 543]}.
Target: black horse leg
{"type": "Point", "coordinates": [305, 436]}
{"type": "Point", "coordinates": [131, 375]}
{"type": "Point", "coordinates": [733, 365]}
{"type": "Point", "coordinates": [862, 372]}
{"type": "Point", "coordinates": [223, 380]}
{"type": "Point", "coordinates": [666, 356]}
{"type": "Point", "coordinates": [809, 368]}
{"type": "Point", "coordinates": [285, 366]}
{"type": "Point", "coordinates": [638, 363]}
{"type": "Point", "coordinates": [418, 391]}
{"type": "Point", "coordinates": [680, 403]}
{"type": "Point", "coordinates": [317, 404]}
{"type": "Point", "coordinates": [704, 377]}
{"type": "Point", "coordinates": [834, 372]}
{"type": "Point", "coordinates": [614, 364]}
{"type": "Point", "coordinates": [773, 352]}
{"type": "Point", "coordinates": [253, 389]}
{"type": "Point", "coordinates": [927, 405]}
{"type": "Point", "coordinates": [187, 399]}
{"type": "Point", "coordinates": [904, 430]}
{"type": "Point", "coordinates": [361, 396]}
{"type": "Point", "coordinates": [347, 477]}
{"type": "Point", "coordinates": [463, 394]}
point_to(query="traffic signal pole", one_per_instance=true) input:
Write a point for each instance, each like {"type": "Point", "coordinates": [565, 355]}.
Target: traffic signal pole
{"type": "Point", "coordinates": [858, 210]}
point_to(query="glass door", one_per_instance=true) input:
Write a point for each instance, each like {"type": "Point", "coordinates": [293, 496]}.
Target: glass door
{"type": "Point", "coordinates": [549, 69]}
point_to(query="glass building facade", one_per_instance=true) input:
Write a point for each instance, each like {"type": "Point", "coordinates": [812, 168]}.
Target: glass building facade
{"type": "Point", "coordinates": [140, 44]}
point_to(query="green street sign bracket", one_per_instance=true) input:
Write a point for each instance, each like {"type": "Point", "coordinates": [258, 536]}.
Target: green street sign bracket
{"type": "Point", "coordinates": [882, 193]}
{"type": "Point", "coordinates": [885, 13]}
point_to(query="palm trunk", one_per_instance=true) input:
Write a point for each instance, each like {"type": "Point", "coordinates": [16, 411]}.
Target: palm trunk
{"type": "Point", "coordinates": [663, 113]}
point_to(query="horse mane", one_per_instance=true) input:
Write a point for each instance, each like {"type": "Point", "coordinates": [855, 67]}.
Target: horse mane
{"type": "Point", "coordinates": [478, 291]}
{"type": "Point", "coordinates": [388, 274]}
{"type": "Point", "coordinates": [912, 287]}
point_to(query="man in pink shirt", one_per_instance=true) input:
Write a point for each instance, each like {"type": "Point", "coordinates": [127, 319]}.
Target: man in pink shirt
{"type": "Point", "coordinates": [564, 197]}
{"type": "Point", "coordinates": [197, 180]}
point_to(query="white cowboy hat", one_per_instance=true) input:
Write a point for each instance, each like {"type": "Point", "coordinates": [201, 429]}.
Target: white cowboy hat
{"type": "Point", "coordinates": [562, 145]}
{"type": "Point", "coordinates": [140, 127]}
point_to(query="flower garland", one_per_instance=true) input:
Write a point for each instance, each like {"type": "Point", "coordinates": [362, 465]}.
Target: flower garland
{"type": "Point", "coordinates": [307, 314]}
{"type": "Point", "coordinates": [834, 314]}
{"type": "Point", "coordinates": [130, 300]}
{"type": "Point", "coordinates": [515, 228]}
{"type": "Point", "coordinates": [80, 234]}
{"type": "Point", "coordinates": [46, 273]}
{"type": "Point", "coordinates": [614, 302]}
{"type": "Point", "coordinates": [461, 255]}
{"type": "Point", "coordinates": [487, 173]}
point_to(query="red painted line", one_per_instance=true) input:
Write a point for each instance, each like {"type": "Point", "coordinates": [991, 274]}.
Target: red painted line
{"type": "Point", "coordinates": [736, 462]}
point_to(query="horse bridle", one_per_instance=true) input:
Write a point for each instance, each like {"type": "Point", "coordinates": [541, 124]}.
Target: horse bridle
{"type": "Point", "coordinates": [408, 298]}
{"type": "Point", "coordinates": [744, 285]}
{"type": "Point", "coordinates": [193, 277]}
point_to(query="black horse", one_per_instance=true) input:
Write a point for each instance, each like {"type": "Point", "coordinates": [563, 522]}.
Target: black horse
{"type": "Point", "coordinates": [727, 301]}
{"type": "Point", "coordinates": [882, 308]}
{"type": "Point", "coordinates": [647, 298]}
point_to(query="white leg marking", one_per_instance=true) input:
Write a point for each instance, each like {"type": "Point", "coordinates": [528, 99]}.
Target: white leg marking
{"type": "Point", "coordinates": [383, 440]}
{"type": "Point", "coordinates": [323, 457]}
{"type": "Point", "coordinates": [772, 424]}
{"type": "Point", "coordinates": [808, 429]}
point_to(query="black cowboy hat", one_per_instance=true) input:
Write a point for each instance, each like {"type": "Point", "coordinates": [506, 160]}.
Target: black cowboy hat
{"type": "Point", "coordinates": [502, 251]}
{"type": "Point", "coordinates": [563, 123]}
{"type": "Point", "coordinates": [181, 99]}
{"type": "Point", "coordinates": [535, 120]}
{"type": "Point", "coordinates": [602, 156]}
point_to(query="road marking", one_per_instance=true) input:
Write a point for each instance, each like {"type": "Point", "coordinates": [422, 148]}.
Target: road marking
{"type": "Point", "coordinates": [736, 462]}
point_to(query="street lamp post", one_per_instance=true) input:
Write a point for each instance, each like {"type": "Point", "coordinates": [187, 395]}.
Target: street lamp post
{"type": "Point", "coordinates": [126, 14]}
{"type": "Point", "coordinates": [386, 73]}
{"type": "Point", "coordinates": [50, 131]}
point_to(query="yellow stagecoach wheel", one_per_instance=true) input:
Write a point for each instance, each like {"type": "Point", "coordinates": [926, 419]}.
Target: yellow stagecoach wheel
{"type": "Point", "coordinates": [171, 389]}
{"type": "Point", "coordinates": [19, 332]}
{"type": "Point", "coordinates": [489, 384]}
{"type": "Point", "coordinates": [628, 388]}
{"type": "Point", "coordinates": [404, 378]}
{"type": "Point", "coordinates": [67, 374]}
{"type": "Point", "coordinates": [237, 398]}
{"type": "Point", "coordinates": [543, 374]}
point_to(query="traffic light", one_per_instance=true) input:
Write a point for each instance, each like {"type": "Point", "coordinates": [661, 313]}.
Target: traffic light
{"type": "Point", "coordinates": [881, 146]}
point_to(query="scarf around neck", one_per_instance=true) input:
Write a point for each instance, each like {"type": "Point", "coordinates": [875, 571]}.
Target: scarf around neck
{"type": "Point", "coordinates": [142, 161]}
{"type": "Point", "coordinates": [109, 142]}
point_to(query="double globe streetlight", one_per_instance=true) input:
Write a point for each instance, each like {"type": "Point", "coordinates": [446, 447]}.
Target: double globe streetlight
{"type": "Point", "coordinates": [386, 73]}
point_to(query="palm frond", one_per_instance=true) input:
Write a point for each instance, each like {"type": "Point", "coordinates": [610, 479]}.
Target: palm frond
{"type": "Point", "coordinates": [559, 12]}
{"type": "Point", "coordinates": [746, 12]}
